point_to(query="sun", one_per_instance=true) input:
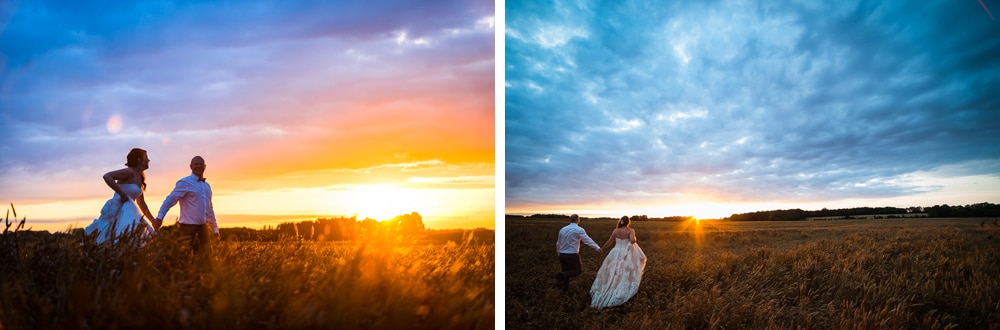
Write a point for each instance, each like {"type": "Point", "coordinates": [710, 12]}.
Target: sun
{"type": "Point", "coordinates": [385, 201]}
{"type": "Point", "coordinates": [706, 210]}
{"type": "Point", "coordinates": [696, 210]}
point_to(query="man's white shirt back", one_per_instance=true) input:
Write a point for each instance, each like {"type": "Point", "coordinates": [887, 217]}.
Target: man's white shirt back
{"type": "Point", "coordinates": [570, 237]}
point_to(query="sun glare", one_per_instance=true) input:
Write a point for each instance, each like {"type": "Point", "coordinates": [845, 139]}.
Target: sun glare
{"type": "Point", "coordinates": [385, 201]}
{"type": "Point", "coordinates": [696, 210]}
{"type": "Point", "coordinates": [702, 211]}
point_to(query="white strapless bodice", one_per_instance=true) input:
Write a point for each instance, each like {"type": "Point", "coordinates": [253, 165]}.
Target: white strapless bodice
{"type": "Point", "coordinates": [131, 190]}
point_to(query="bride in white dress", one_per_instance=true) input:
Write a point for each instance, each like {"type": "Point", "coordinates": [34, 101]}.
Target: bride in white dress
{"type": "Point", "coordinates": [123, 213]}
{"type": "Point", "coordinates": [618, 279]}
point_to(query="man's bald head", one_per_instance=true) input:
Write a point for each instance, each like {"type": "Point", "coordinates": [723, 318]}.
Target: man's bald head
{"type": "Point", "coordinates": [198, 166]}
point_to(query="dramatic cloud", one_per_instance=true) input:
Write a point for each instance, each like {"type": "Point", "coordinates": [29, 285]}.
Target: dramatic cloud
{"type": "Point", "coordinates": [261, 88]}
{"type": "Point", "coordinates": [650, 103]}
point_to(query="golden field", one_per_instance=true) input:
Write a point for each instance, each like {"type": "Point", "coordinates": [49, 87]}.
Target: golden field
{"type": "Point", "coordinates": [847, 274]}
{"type": "Point", "coordinates": [67, 281]}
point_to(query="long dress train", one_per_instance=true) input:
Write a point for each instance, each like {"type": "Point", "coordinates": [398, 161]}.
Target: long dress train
{"type": "Point", "coordinates": [119, 218]}
{"type": "Point", "coordinates": [618, 279]}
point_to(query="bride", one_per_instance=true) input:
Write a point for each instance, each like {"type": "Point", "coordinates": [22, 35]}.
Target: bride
{"type": "Point", "coordinates": [618, 279]}
{"type": "Point", "coordinates": [123, 213]}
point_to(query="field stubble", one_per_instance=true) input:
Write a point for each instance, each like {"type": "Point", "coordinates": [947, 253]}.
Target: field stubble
{"type": "Point", "coordinates": [66, 281]}
{"type": "Point", "coordinates": [886, 274]}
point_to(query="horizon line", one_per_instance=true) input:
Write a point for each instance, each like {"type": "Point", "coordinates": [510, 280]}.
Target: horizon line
{"type": "Point", "coordinates": [601, 215]}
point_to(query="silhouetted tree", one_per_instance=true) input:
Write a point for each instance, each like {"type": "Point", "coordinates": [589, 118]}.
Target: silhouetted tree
{"type": "Point", "coordinates": [408, 224]}
{"type": "Point", "coordinates": [288, 230]}
{"type": "Point", "coordinates": [369, 227]}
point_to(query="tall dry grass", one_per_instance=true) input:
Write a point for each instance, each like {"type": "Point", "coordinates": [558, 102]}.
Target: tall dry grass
{"type": "Point", "coordinates": [67, 281]}
{"type": "Point", "coordinates": [890, 274]}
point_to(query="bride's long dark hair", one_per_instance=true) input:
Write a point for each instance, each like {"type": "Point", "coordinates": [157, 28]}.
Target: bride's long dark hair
{"type": "Point", "coordinates": [624, 222]}
{"type": "Point", "coordinates": [132, 160]}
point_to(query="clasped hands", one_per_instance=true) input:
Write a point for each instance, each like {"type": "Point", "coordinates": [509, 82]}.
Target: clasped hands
{"type": "Point", "coordinates": [157, 222]}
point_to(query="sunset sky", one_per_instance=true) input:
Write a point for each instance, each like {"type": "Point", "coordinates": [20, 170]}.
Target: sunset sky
{"type": "Point", "coordinates": [300, 108]}
{"type": "Point", "coordinates": [708, 109]}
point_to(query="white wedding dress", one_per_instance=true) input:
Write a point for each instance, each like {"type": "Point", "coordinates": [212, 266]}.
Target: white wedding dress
{"type": "Point", "coordinates": [119, 218]}
{"type": "Point", "coordinates": [618, 279]}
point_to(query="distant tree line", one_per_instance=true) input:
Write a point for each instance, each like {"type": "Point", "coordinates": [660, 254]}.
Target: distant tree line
{"type": "Point", "coordinates": [565, 216]}
{"type": "Point", "coordinates": [937, 211]}
{"type": "Point", "coordinates": [332, 229]}
{"type": "Point", "coordinates": [647, 218]}
{"type": "Point", "coordinates": [548, 216]}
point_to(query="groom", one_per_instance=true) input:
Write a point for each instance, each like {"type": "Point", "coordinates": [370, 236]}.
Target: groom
{"type": "Point", "coordinates": [197, 214]}
{"type": "Point", "coordinates": [568, 246]}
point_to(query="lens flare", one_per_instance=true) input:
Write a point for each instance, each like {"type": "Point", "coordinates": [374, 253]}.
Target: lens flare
{"type": "Point", "coordinates": [114, 124]}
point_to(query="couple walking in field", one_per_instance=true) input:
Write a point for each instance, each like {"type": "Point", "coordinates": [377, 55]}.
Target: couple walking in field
{"type": "Point", "coordinates": [126, 212]}
{"type": "Point", "coordinates": [619, 276]}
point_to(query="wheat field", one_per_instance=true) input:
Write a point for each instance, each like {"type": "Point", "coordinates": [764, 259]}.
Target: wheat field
{"type": "Point", "coordinates": [67, 281]}
{"type": "Point", "coordinates": [857, 274]}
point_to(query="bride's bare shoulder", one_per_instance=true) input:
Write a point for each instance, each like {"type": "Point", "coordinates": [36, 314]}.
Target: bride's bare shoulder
{"type": "Point", "coordinates": [124, 174]}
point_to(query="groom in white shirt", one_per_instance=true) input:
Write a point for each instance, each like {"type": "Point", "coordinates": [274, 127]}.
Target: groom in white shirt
{"type": "Point", "coordinates": [568, 246]}
{"type": "Point", "coordinates": [197, 214]}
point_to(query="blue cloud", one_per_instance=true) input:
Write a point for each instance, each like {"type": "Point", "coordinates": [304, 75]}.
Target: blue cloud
{"type": "Point", "coordinates": [754, 101]}
{"type": "Point", "coordinates": [168, 69]}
